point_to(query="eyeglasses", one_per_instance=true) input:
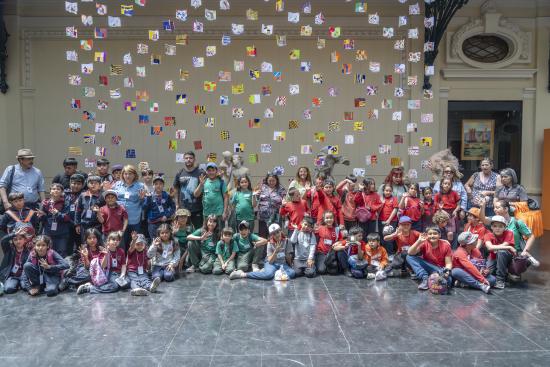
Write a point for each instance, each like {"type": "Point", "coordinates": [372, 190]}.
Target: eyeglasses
{"type": "Point", "coordinates": [447, 171]}
{"type": "Point", "coordinates": [143, 174]}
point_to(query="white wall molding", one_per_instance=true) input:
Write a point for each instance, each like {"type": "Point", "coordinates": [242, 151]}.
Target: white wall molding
{"type": "Point", "coordinates": [465, 74]}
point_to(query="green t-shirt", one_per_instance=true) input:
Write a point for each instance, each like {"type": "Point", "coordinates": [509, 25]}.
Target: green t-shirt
{"type": "Point", "coordinates": [212, 197]}
{"type": "Point", "coordinates": [245, 244]}
{"type": "Point", "coordinates": [208, 244]}
{"type": "Point", "coordinates": [520, 229]}
{"type": "Point", "coordinates": [243, 205]}
{"type": "Point", "coordinates": [226, 250]}
{"type": "Point", "coordinates": [181, 236]}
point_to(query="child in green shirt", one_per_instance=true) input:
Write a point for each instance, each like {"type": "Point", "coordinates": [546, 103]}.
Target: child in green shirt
{"type": "Point", "coordinates": [243, 201]}
{"type": "Point", "coordinates": [214, 193]}
{"type": "Point", "coordinates": [226, 250]}
{"type": "Point", "coordinates": [247, 243]}
{"type": "Point", "coordinates": [202, 251]}
{"type": "Point", "coordinates": [180, 230]}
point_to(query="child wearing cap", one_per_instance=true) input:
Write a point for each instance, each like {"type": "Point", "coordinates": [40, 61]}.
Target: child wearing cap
{"type": "Point", "coordinates": [430, 254]}
{"type": "Point", "coordinates": [249, 246]}
{"type": "Point", "coordinates": [43, 268]}
{"type": "Point", "coordinates": [475, 226]}
{"type": "Point", "coordinates": [404, 237]}
{"type": "Point", "coordinates": [213, 189]}
{"type": "Point", "coordinates": [116, 173]}
{"type": "Point", "coordinates": [18, 213]}
{"type": "Point", "coordinates": [56, 221]}
{"type": "Point", "coordinates": [278, 256]}
{"type": "Point", "coordinates": [181, 228]}
{"type": "Point", "coordinates": [165, 254]}
{"type": "Point", "coordinates": [304, 242]}
{"type": "Point", "coordinates": [226, 250]}
{"type": "Point", "coordinates": [500, 244]}
{"type": "Point", "coordinates": [113, 216]}
{"type": "Point", "coordinates": [243, 201]}
{"type": "Point", "coordinates": [138, 264]}
{"type": "Point", "coordinates": [159, 207]}
{"type": "Point", "coordinates": [87, 207]}
{"type": "Point", "coordinates": [202, 251]}
{"type": "Point", "coordinates": [16, 247]}
{"type": "Point", "coordinates": [464, 271]}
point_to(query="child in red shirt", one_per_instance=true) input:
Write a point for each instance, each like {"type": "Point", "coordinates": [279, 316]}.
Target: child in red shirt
{"type": "Point", "coordinates": [113, 217]}
{"type": "Point", "coordinates": [312, 196]}
{"type": "Point", "coordinates": [501, 246]}
{"type": "Point", "coordinates": [388, 215]}
{"type": "Point", "coordinates": [369, 199]}
{"type": "Point", "coordinates": [428, 207]}
{"type": "Point", "coordinates": [329, 200]}
{"type": "Point", "coordinates": [412, 207]}
{"type": "Point", "coordinates": [448, 200]}
{"type": "Point", "coordinates": [347, 189]}
{"type": "Point", "coordinates": [464, 271]}
{"type": "Point", "coordinates": [328, 235]}
{"type": "Point", "coordinates": [475, 226]}
{"type": "Point", "coordinates": [138, 264]}
{"type": "Point", "coordinates": [350, 254]}
{"type": "Point", "coordinates": [295, 210]}
{"type": "Point", "coordinates": [404, 237]}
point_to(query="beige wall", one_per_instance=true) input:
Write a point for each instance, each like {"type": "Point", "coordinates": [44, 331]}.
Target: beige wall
{"type": "Point", "coordinates": [36, 111]}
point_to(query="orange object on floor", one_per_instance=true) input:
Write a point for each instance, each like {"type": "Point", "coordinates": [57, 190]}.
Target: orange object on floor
{"type": "Point", "coordinates": [532, 218]}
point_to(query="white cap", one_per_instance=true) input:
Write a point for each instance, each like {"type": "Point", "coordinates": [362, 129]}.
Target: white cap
{"type": "Point", "coordinates": [499, 219]}
{"type": "Point", "coordinates": [274, 228]}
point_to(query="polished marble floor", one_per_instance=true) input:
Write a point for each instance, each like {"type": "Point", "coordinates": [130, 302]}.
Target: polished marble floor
{"type": "Point", "coordinates": [327, 321]}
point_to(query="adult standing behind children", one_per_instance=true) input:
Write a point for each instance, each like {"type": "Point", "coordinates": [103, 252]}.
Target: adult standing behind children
{"type": "Point", "coordinates": [70, 166]}
{"type": "Point", "coordinates": [23, 177]}
{"type": "Point", "coordinates": [185, 184]}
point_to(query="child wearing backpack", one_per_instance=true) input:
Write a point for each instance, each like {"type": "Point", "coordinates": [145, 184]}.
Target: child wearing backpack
{"type": "Point", "coordinates": [18, 213]}
{"type": "Point", "coordinates": [56, 221]}
{"type": "Point", "coordinates": [304, 242]}
{"type": "Point", "coordinates": [164, 254]}
{"type": "Point", "coordinates": [388, 216]}
{"type": "Point", "coordinates": [247, 245]}
{"type": "Point", "coordinates": [328, 235]}
{"type": "Point", "coordinates": [87, 207]}
{"type": "Point", "coordinates": [159, 207]}
{"type": "Point", "coordinates": [16, 247]}
{"type": "Point", "coordinates": [202, 252]}
{"type": "Point", "coordinates": [89, 250]}
{"type": "Point", "coordinates": [138, 263]}
{"type": "Point", "coordinates": [226, 250]}
{"type": "Point", "coordinates": [369, 203]}
{"type": "Point", "coordinates": [243, 201]}
{"type": "Point", "coordinates": [44, 268]}
{"type": "Point", "coordinates": [181, 228]}
{"type": "Point", "coordinates": [111, 262]}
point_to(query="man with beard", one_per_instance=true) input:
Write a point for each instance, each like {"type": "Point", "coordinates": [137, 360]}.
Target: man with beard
{"type": "Point", "coordinates": [185, 183]}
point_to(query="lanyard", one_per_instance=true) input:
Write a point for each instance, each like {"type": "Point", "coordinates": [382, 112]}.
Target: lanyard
{"type": "Point", "coordinates": [142, 258]}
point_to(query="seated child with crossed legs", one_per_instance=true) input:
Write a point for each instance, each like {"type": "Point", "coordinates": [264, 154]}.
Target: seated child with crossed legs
{"type": "Point", "coordinates": [138, 263]}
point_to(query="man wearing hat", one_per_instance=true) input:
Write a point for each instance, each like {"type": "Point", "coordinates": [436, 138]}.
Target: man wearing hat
{"type": "Point", "coordinates": [25, 178]}
{"type": "Point", "coordinates": [70, 165]}
{"type": "Point", "coordinates": [464, 271]}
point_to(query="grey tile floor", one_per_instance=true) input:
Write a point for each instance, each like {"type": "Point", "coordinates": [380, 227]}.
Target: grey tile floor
{"type": "Point", "coordinates": [327, 321]}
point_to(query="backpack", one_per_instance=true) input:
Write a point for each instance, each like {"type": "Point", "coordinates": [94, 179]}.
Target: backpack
{"type": "Point", "coordinates": [437, 284]}
{"type": "Point", "coordinates": [518, 265]}
{"type": "Point", "coordinates": [8, 188]}
{"type": "Point", "coordinates": [49, 257]}
{"type": "Point", "coordinates": [362, 214]}
{"type": "Point", "coordinates": [97, 274]}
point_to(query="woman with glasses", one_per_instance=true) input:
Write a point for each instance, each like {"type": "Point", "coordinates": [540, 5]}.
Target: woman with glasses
{"type": "Point", "coordinates": [396, 180]}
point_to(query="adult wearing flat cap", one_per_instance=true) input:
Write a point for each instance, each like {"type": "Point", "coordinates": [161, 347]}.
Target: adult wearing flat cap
{"type": "Point", "coordinates": [70, 166]}
{"type": "Point", "coordinates": [23, 177]}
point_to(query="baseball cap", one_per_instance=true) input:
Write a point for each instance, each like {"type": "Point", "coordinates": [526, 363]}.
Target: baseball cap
{"type": "Point", "coordinates": [274, 228]}
{"type": "Point", "coordinates": [405, 219]}
{"type": "Point", "coordinates": [141, 239]}
{"type": "Point", "coordinates": [474, 212]}
{"type": "Point", "coordinates": [117, 167]}
{"type": "Point", "coordinates": [102, 161]}
{"type": "Point", "coordinates": [244, 224]}
{"type": "Point", "coordinates": [183, 213]}
{"type": "Point", "coordinates": [499, 219]}
{"type": "Point", "coordinates": [467, 238]}
{"type": "Point", "coordinates": [158, 178]}
{"type": "Point", "coordinates": [93, 178]}
{"type": "Point", "coordinates": [109, 192]}
{"type": "Point", "coordinates": [212, 165]}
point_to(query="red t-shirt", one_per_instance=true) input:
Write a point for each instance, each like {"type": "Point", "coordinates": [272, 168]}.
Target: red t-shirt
{"type": "Point", "coordinates": [137, 259]}
{"type": "Point", "coordinates": [353, 250]}
{"type": "Point", "coordinates": [436, 255]}
{"type": "Point", "coordinates": [461, 260]}
{"type": "Point", "coordinates": [295, 211]}
{"type": "Point", "coordinates": [117, 259]}
{"type": "Point", "coordinates": [114, 218]}
{"type": "Point", "coordinates": [480, 229]}
{"type": "Point", "coordinates": [429, 208]}
{"type": "Point", "coordinates": [450, 200]}
{"type": "Point", "coordinates": [372, 200]}
{"type": "Point", "coordinates": [388, 205]}
{"type": "Point", "coordinates": [408, 240]}
{"type": "Point", "coordinates": [91, 255]}
{"type": "Point", "coordinates": [507, 236]}
{"type": "Point", "coordinates": [413, 208]}
{"type": "Point", "coordinates": [326, 237]}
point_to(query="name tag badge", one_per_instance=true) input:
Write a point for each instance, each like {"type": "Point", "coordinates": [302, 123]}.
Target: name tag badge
{"type": "Point", "coordinates": [89, 213]}
{"type": "Point", "coordinates": [140, 270]}
{"type": "Point", "coordinates": [72, 208]}
{"type": "Point", "coordinates": [29, 189]}
{"type": "Point", "coordinates": [113, 263]}
{"type": "Point", "coordinates": [15, 269]}
{"type": "Point", "coordinates": [41, 279]}
{"type": "Point", "coordinates": [280, 255]}
{"type": "Point", "coordinates": [165, 253]}
{"type": "Point", "coordinates": [161, 209]}
{"type": "Point", "coordinates": [328, 242]}
{"type": "Point", "coordinates": [126, 195]}
{"type": "Point", "coordinates": [54, 226]}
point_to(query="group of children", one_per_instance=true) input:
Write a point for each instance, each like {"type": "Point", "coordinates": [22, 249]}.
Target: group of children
{"type": "Point", "coordinates": [330, 229]}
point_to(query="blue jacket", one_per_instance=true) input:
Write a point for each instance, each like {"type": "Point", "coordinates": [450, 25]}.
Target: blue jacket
{"type": "Point", "coordinates": [157, 207]}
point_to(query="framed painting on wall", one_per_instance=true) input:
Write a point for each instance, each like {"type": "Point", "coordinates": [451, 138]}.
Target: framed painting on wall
{"type": "Point", "coordinates": [478, 137]}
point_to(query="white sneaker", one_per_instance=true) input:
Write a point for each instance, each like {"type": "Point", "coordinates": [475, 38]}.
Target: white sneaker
{"type": "Point", "coordinates": [533, 261]}
{"type": "Point", "coordinates": [190, 269]}
{"type": "Point", "coordinates": [154, 285]}
{"type": "Point", "coordinates": [237, 274]}
{"type": "Point", "coordinates": [139, 292]}
{"type": "Point", "coordinates": [84, 288]}
{"type": "Point", "coordinates": [255, 268]}
{"type": "Point", "coordinates": [371, 276]}
{"type": "Point", "coordinates": [486, 288]}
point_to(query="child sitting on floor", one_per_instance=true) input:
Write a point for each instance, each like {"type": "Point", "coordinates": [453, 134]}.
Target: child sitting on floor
{"type": "Point", "coordinates": [226, 250]}
{"type": "Point", "coordinates": [304, 242]}
{"type": "Point", "coordinates": [138, 264]}
{"type": "Point", "coordinates": [165, 255]}
{"type": "Point", "coordinates": [249, 246]}
{"type": "Point", "coordinates": [464, 271]}
{"type": "Point", "coordinates": [43, 268]}
{"type": "Point", "coordinates": [18, 213]}
{"type": "Point", "coordinates": [90, 250]}
{"type": "Point", "coordinates": [202, 252]}
{"type": "Point", "coordinates": [16, 247]}
{"type": "Point", "coordinates": [181, 228]}
{"type": "Point", "coordinates": [376, 257]}
{"type": "Point", "coordinates": [349, 253]}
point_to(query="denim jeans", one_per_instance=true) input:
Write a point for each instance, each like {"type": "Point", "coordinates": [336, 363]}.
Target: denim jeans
{"type": "Point", "coordinates": [163, 273]}
{"type": "Point", "coordinates": [268, 272]}
{"type": "Point", "coordinates": [12, 284]}
{"type": "Point", "coordinates": [500, 265]}
{"type": "Point", "coordinates": [51, 281]}
{"type": "Point", "coordinates": [465, 278]}
{"type": "Point", "coordinates": [301, 268]}
{"type": "Point", "coordinates": [139, 280]}
{"type": "Point", "coordinates": [423, 268]}
{"type": "Point", "coordinates": [82, 276]}
{"type": "Point", "coordinates": [110, 287]}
